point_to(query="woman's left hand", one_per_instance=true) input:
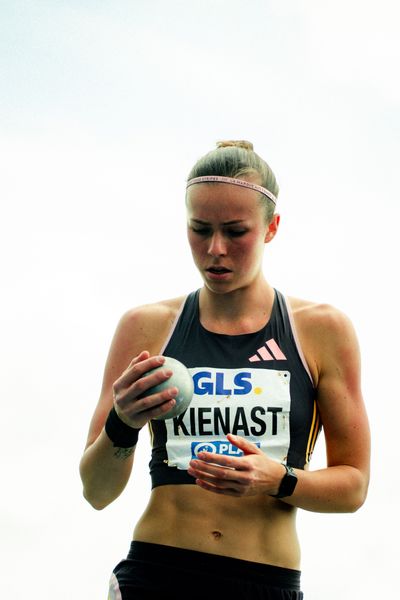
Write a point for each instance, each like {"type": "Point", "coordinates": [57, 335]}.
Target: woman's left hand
{"type": "Point", "coordinates": [247, 475]}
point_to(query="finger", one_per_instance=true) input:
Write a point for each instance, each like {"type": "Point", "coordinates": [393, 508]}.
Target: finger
{"type": "Point", "coordinates": [215, 473]}
{"type": "Point", "coordinates": [137, 369]}
{"type": "Point", "coordinates": [230, 462]}
{"type": "Point", "coordinates": [142, 356]}
{"type": "Point", "coordinates": [218, 489]}
{"type": "Point", "coordinates": [152, 405]}
{"type": "Point", "coordinates": [138, 414]}
{"type": "Point", "coordinates": [156, 411]}
{"type": "Point", "coordinates": [146, 403]}
{"type": "Point", "coordinates": [144, 385]}
{"type": "Point", "coordinates": [243, 444]}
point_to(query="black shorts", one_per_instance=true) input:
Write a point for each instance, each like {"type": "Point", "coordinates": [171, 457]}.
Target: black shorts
{"type": "Point", "coordinates": [151, 569]}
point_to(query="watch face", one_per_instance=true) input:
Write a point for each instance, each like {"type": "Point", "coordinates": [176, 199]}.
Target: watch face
{"type": "Point", "coordinates": [288, 483]}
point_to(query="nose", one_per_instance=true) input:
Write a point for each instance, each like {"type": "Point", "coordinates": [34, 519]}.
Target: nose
{"type": "Point", "coordinates": [217, 246]}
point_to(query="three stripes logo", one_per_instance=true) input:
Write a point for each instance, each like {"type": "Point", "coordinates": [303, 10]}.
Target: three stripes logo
{"type": "Point", "coordinates": [270, 351]}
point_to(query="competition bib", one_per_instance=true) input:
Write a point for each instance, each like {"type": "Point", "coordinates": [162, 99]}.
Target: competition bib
{"type": "Point", "coordinates": [252, 403]}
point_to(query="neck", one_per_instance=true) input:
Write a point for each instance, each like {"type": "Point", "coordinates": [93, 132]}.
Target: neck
{"type": "Point", "coordinates": [240, 311]}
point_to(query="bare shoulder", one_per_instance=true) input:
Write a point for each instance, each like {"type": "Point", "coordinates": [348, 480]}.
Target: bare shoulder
{"type": "Point", "coordinates": [146, 326]}
{"type": "Point", "coordinates": [325, 332]}
{"type": "Point", "coordinates": [321, 316]}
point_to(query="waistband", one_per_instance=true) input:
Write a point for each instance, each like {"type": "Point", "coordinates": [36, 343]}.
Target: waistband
{"type": "Point", "coordinates": [214, 564]}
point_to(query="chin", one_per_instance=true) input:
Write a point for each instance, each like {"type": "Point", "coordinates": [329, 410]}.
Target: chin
{"type": "Point", "coordinates": [220, 288]}
{"type": "Point", "coordinates": [216, 288]}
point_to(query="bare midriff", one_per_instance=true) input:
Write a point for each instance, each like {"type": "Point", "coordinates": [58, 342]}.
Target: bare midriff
{"type": "Point", "coordinates": [258, 528]}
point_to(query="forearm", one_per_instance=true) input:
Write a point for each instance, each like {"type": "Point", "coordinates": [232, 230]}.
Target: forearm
{"type": "Point", "coordinates": [334, 489]}
{"type": "Point", "coordinates": [105, 471]}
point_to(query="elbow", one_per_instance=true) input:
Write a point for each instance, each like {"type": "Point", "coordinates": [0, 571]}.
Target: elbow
{"type": "Point", "coordinates": [354, 505]}
{"type": "Point", "coordinates": [94, 501]}
{"type": "Point", "coordinates": [358, 501]}
{"type": "Point", "coordinates": [359, 495]}
{"type": "Point", "coordinates": [92, 493]}
{"type": "Point", "coordinates": [350, 493]}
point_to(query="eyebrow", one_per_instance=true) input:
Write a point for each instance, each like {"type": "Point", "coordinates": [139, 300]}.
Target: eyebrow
{"type": "Point", "coordinates": [234, 222]}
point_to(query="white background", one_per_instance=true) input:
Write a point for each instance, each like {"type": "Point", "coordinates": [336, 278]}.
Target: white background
{"type": "Point", "coordinates": [105, 106]}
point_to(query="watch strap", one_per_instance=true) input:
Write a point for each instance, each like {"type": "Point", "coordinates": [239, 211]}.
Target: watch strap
{"type": "Point", "coordinates": [288, 483]}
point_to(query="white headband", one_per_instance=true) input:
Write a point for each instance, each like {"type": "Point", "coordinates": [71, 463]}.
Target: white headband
{"type": "Point", "coordinates": [232, 181]}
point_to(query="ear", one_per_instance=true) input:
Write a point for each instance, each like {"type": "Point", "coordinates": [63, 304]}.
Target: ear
{"type": "Point", "coordinates": [272, 228]}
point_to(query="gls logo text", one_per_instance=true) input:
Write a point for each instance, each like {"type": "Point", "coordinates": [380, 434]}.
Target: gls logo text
{"type": "Point", "coordinates": [206, 382]}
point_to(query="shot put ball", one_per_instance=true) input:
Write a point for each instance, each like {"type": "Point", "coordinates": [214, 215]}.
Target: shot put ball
{"type": "Point", "coordinates": [180, 378]}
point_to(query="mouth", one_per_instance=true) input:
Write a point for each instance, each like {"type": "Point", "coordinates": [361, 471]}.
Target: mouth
{"type": "Point", "coordinates": [217, 272]}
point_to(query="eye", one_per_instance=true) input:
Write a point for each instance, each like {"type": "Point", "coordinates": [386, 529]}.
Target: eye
{"type": "Point", "coordinates": [201, 230]}
{"type": "Point", "coordinates": [236, 232]}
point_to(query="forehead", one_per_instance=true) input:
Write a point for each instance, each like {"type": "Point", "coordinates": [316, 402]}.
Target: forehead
{"type": "Point", "coordinates": [206, 201]}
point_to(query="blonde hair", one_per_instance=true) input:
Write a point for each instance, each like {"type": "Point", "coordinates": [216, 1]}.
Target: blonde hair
{"type": "Point", "coordinates": [236, 158]}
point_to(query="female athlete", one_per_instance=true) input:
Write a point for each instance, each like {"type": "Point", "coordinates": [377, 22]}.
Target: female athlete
{"type": "Point", "coordinates": [268, 371]}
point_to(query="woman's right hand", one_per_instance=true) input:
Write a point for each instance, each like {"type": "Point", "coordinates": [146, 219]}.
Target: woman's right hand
{"type": "Point", "coordinates": [131, 403]}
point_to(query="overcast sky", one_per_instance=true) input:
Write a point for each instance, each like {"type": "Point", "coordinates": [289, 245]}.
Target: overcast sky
{"type": "Point", "coordinates": [104, 108]}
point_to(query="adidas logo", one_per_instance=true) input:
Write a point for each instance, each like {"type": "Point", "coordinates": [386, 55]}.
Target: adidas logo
{"type": "Point", "coordinates": [270, 351]}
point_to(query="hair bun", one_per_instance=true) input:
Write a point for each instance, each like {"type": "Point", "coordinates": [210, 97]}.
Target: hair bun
{"type": "Point", "coordinates": [238, 143]}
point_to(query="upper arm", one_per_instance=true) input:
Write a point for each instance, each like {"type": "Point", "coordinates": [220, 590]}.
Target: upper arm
{"type": "Point", "coordinates": [143, 328]}
{"type": "Point", "coordinates": [339, 393]}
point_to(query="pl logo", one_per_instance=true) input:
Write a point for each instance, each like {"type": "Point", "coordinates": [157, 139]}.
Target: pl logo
{"type": "Point", "coordinates": [217, 447]}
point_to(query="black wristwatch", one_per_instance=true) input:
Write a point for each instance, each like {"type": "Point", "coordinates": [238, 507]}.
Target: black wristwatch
{"type": "Point", "coordinates": [288, 483]}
